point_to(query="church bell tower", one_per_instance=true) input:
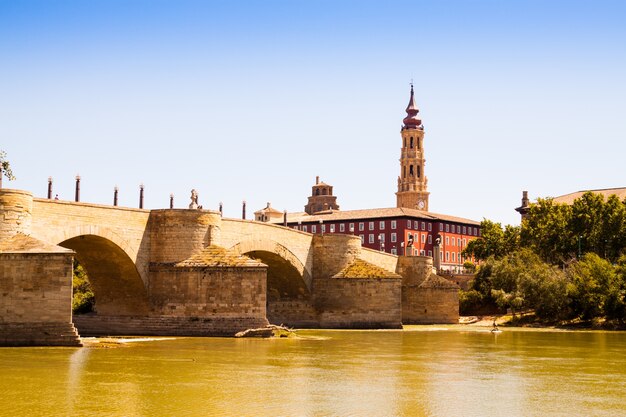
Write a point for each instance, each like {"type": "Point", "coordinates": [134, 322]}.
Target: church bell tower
{"type": "Point", "coordinates": [412, 182]}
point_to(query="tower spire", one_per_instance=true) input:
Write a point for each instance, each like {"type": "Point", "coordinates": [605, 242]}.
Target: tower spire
{"type": "Point", "coordinates": [411, 121]}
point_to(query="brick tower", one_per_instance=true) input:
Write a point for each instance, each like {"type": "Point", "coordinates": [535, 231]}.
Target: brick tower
{"type": "Point", "coordinates": [322, 198]}
{"type": "Point", "coordinates": [412, 183]}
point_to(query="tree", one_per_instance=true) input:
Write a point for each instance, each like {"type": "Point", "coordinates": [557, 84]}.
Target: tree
{"type": "Point", "coordinates": [494, 241]}
{"type": "Point", "coordinates": [522, 280]}
{"type": "Point", "coordinates": [546, 230]}
{"type": "Point", "coordinates": [560, 232]}
{"type": "Point", "coordinates": [595, 288]}
{"type": "Point", "coordinates": [5, 167]}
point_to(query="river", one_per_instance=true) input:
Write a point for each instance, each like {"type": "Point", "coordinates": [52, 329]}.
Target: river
{"type": "Point", "coordinates": [418, 371]}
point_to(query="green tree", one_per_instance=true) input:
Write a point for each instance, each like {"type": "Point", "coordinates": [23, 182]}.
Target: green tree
{"type": "Point", "coordinates": [494, 241]}
{"type": "Point", "coordinates": [522, 281]}
{"type": "Point", "coordinates": [546, 231]}
{"type": "Point", "coordinates": [5, 167]}
{"type": "Point", "coordinates": [595, 288]}
{"type": "Point", "coordinates": [613, 235]}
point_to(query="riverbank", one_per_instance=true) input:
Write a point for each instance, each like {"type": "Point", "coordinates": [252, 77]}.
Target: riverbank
{"type": "Point", "coordinates": [529, 320]}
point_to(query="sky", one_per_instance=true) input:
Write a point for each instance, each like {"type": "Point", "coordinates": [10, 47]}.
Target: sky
{"type": "Point", "coordinates": [252, 100]}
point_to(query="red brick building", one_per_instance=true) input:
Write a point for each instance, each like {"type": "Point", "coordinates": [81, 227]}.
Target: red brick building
{"type": "Point", "coordinates": [399, 231]}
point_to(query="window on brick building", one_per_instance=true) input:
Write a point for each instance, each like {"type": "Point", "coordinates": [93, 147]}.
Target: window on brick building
{"type": "Point", "coordinates": [430, 239]}
{"type": "Point", "coordinates": [332, 228]}
{"type": "Point", "coordinates": [423, 237]}
{"type": "Point", "coordinates": [447, 227]}
{"type": "Point", "coordinates": [371, 238]}
{"type": "Point", "coordinates": [415, 226]}
{"type": "Point", "coordinates": [361, 226]}
{"type": "Point", "coordinates": [430, 227]}
{"type": "Point", "coordinates": [394, 251]}
{"type": "Point", "coordinates": [304, 228]}
{"type": "Point", "coordinates": [393, 224]}
{"type": "Point", "coordinates": [430, 253]}
{"type": "Point", "coordinates": [393, 237]}
{"type": "Point", "coordinates": [464, 230]}
{"type": "Point", "coordinates": [422, 252]}
{"type": "Point", "coordinates": [423, 226]}
{"type": "Point", "coordinates": [447, 256]}
{"type": "Point", "coordinates": [447, 240]}
{"type": "Point", "coordinates": [453, 257]}
{"type": "Point", "coordinates": [314, 229]}
{"type": "Point", "coordinates": [342, 227]}
{"type": "Point", "coordinates": [381, 225]}
{"type": "Point", "coordinates": [408, 224]}
{"type": "Point", "coordinates": [371, 226]}
{"type": "Point", "coordinates": [362, 239]}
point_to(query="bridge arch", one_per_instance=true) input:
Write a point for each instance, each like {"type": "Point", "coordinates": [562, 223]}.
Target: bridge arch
{"type": "Point", "coordinates": [286, 271]}
{"type": "Point", "coordinates": [117, 285]}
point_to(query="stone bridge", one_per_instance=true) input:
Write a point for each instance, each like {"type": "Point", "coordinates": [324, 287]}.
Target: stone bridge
{"type": "Point", "coordinates": [191, 272]}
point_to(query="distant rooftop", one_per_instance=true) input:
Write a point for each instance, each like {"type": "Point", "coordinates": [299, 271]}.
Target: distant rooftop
{"type": "Point", "coordinates": [606, 192]}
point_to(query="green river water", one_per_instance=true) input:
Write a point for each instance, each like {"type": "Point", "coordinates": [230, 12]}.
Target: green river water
{"type": "Point", "coordinates": [420, 371]}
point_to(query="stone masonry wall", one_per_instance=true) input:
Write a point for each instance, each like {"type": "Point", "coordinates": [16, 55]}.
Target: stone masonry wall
{"type": "Point", "coordinates": [36, 299]}
{"type": "Point", "coordinates": [238, 294]}
{"type": "Point", "coordinates": [358, 302]}
{"type": "Point", "coordinates": [426, 298]}
{"type": "Point", "coordinates": [16, 208]}
{"type": "Point", "coordinates": [332, 253]}
{"type": "Point", "coordinates": [293, 313]}
{"type": "Point", "coordinates": [35, 287]}
{"type": "Point", "coordinates": [175, 235]}
{"type": "Point", "coordinates": [432, 306]}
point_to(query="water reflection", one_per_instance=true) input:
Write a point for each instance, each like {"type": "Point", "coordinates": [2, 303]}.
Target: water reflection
{"type": "Point", "coordinates": [413, 372]}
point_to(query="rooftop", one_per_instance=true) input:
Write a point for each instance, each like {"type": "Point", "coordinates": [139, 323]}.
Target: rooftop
{"type": "Point", "coordinates": [374, 214]}
{"type": "Point", "coordinates": [606, 192]}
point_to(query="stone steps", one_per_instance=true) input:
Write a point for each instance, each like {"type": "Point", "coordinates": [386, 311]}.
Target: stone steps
{"type": "Point", "coordinates": [39, 334]}
{"type": "Point", "coordinates": [94, 325]}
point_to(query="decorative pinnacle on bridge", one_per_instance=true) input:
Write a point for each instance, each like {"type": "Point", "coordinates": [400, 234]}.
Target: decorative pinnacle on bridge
{"type": "Point", "coordinates": [411, 121]}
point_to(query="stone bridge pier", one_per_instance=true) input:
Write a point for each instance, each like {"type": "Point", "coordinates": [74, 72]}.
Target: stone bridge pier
{"type": "Point", "coordinates": [190, 272]}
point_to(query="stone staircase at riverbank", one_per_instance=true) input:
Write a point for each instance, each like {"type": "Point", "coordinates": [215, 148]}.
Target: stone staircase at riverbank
{"type": "Point", "coordinates": [39, 334]}
{"type": "Point", "coordinates": [94, 325]}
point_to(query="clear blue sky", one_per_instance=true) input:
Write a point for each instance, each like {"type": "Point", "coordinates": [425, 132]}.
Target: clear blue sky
{"type": "Point", "coordinates": [252, 100]}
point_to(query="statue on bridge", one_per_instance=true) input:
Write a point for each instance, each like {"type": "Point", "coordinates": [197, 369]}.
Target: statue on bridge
{"type": "Point", "coordinates": [194, 200]}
